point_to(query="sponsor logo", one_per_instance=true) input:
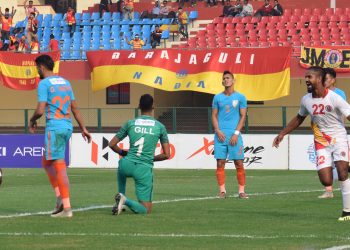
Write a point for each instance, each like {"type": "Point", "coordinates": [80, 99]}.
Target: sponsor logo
{"type": "Point", "coordinates": [311, 153]}
{"type": "Point", "coordinates": [143, 122]}
{"type": "Point", "coordinates": [234, 103]}
{"type": "Point", "coordinates": [2, 151]}
{"type": "Point", "coordinates": [343, 154]}
{"type": "Point", "coordinates": [181, 74]}
{"type": "Point", "coordinates": [333, 58]}
{"type": "Point", "coordinates": [28, 72]}
{"type": "Point", "coordinates": [329, 108]}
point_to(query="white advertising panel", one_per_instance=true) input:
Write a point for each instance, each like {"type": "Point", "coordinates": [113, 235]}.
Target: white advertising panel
{"type": "Point", "coordinates": [187, 152]}
{"type": "Point", "coordinates": [302, 152]}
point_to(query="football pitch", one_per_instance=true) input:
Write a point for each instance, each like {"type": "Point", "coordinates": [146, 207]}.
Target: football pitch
{"type": "Point", "coordinates": [283, 212]}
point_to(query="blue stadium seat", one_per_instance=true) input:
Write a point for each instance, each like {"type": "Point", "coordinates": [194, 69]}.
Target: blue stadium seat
{"type": "Point", "coordinates": [106, 28]}
{"type": "Point", "coordinates": [65, 36]}
{"type": "Point", "coordinates": [86, 45]}
{"type": "Point", "coordinates": [87, 28]}
{"type": "Point", "coordinates": [76, 35]}
{"type": "Point", "coordinates": [95, 18]}
{"type": "Point", "coordinates": [75, 55]}
{"type": "Point", "coordinates": [115, 28]}
{"type": "Point", "coordinates": [116, 44]}
{"type": "Point", "coordinates": [125, 21]}
{"type": "Point", "coordinates": [96, 35]}
{"type": "Point", "coordinates": [78, 17]}
{"type": "Point", "coordinates": [166, 21]}
{"type": "Point", "coordinates": [136, 29]}
{"type": "Point", "coordinates": [193, 16]}
{"type": "Point", "coordinates": [96, 28]}
{"type": "Point", "coordinates": [83, 55]}
{"type": "Point", "coordinates": [65, 54]}
{"type": "Point", "coordinates": [125, 28]}
{"type": "Point", "coordinates": [136, 15]}
{"type": "Point", "coordinates": [106, 18]}
{"type": "Point", "coordinates": [85, 19]}
{"type": "Point", "coordinates": [95, 46]}
{"type": "Point", "coordinates": [58, 16]}
{"type": "Point", "coordinates": [165, 36]}
{"type": "Point", "coordinates": [147, 46]}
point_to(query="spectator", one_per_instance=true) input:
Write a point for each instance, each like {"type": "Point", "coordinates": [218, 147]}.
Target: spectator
{"type": "Point", "coordinates": [155, 37]}
{"type": "Point", "coordinates": [247, 9]}
{"type": "Point", "coordinates": [53, 45]}
{"type": "Point", "coordinates": [182, 19]}
{"type": "Point", "coordinates": [104, 6]}
{"type": "Point", "coordinates": [70, 19]}
{"type": "Point", "coordinates": [137, 43]}
{"type": "Point", "coordinates": [23, 45]}
{"type": "Point", "coordinates": [34, 46]}
{"type": "Point", "coordinates": [277, 9]}
{"type": "Point", "coordinates": [128, 9]}
{"type": "Point", "coordinates": [32, 27]}
{"type": "Point", "coordinates": [165, 9]}
{"type": "Point", "coordinates": [227, 10]}
{"type": "Point", "coordinates": [265, 10]}
{"type": "Point", "coordinates": [237, 8]}
{"type": "Point", "coordinates": [13, 45]}
{"type": "Point", "coordinates": [156, 10]}
{"type": "Point", "coordinates": [120, 5]}
{"type": "Point", "coordinates": [30, 8]}
{"type": "Point", "coordinates": [6, 23]}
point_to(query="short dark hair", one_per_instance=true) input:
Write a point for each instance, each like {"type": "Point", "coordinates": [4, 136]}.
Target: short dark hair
{"type": "Point", "coordinates": [320, 71]}
{"type": "Point", "coordinates": [146, 102]}
{"type": "Point", "coordinates": [227, 72]}
{"type": "Point", "coordinates": [7, 9]}
{"type": "Point", "coordinates": [52, 36]}
{"type": "Point", "coordinates": [46, 61]}
{"type": "Point", "coordinates": [331, 72]}
{"type": "Point", "coordinates": [33, 13]}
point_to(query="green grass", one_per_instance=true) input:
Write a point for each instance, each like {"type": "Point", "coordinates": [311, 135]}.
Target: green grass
{"type": "Point", "coordinates": [276, 216]}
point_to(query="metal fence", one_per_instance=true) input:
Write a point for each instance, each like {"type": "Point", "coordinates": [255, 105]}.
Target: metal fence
{"type": "Point", "coordinates": [194, 120]}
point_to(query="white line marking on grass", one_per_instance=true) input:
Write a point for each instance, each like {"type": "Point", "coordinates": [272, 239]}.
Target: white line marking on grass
{"type": "Point", "coordinates": [83, 209]}
{"type": "Point", "coordinates": [338, 247]}
{"type": "Point", "coordinates": [311, 236]}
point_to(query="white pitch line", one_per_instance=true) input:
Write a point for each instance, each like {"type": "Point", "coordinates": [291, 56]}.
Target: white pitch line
{"type": "Point", "coordinates": [311, 236]}
{"type": "Point", "coordinates": [157, 202]}
{"type": "Point", "coordinates": [338, 247]}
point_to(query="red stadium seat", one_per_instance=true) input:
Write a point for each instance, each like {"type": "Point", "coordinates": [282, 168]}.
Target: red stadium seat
{"type": "Point", "coordinates": [261, 26]}
{"type": "Point", "coordinates": [183, 45]}
{"type": "Point", "coordinates": [239, 26]}
{"type": "Point", "coordinates": [347, 11]}
{"type": "Point", "coordinates": [285, 43]}
{"type": "Point", "coordinates": [307, 12]}
{"type": "Point", "coordinates": [334, 30]}
{"type": "Point", "coordinates": [210, 26]}
{"type": "Point", "coordinates": [294, 19]}
{"type": "Point", "coordinates": [274, 44]}
{"type": "Point", "coordinates": [290, 26]}
{"type": "Point", "coordinates": [326, 36]}
{"type": "Point", "coordinates": [243, 44]}
{"type": "Point", "coordinates": [335, 36]}
{"type": "Point", "coordinates": [324, 30]}
{"type": "Point", "coordinates": [220, 32]}
{"type": "Point", "coordinates": [306, 43]}
{"type": "Point", "coordinates": [285, 18]}
{"type": "Point", "coordinates": [253, 44]}
{"type": "Point", "coordinates": [236, 20]}
{"type": "Point", "coordinates": [332, 25]}
{"type": "Point", "coordinates": [296, 43]}
{"type": "Point", "coordinates": [317, 12]}
{"type": "Point", "coordinates": [273, 37]}
{"type": "Point", "coordinates": [234, 44]}
{"type": "Point", "coordinates": [305, 19]}
{"type": "Point", "coordinates": [295, 38]}
{"type": "Point", "coordinates": [230, 39]}
{"type": "Point", "coordinates": [343, 25]}
{"type": "Point", "coordinates": [211, 32]}
{"type": "Point", "coordinates": [252, 38]}
{"type": "Point", "coordinates": [280, 25]}
{"type": "Point", "coordinates": [201, 33]}
{"type": "Point", "coordinates": [314, 31]}
{"type": "Point", "coordinates": [287, 12]}
{"type": "Point", "coordinates": [220, 26]}
{"type": "Point", "coordinates": [299, 26]}
{"type": "Point", "coordinates": [227, 19]}
{"type": "Point", "coordinates": [334, 18]}
{"type": "Point", "coordinates": [346, 36]}
{"type": "Point", "coordinates": [246, 19]}
{"type": "Point", "coordinates": [297, 12]}
{"type": "Point", "coordinates": [338, 11]}
{"type": "Point", "coordinates": [338, 43]}
{"type": "Point", "coordinates": [270, 25]}
{"type": "Point", "coordinates": [230, 26]}
{"type": "Point", "coordinates": [230, 32]}
{"type": "Point", "coordinates": [315, 37]}
{"type": "Point", "coordinates": [249, 26]}
{"type": "Point", "coordinates": [324, 18]}
{"type": "Point", "coordinates": [329, 11]}
{"type": "Point", "coordinates": [292, 32]}
{"type": "Point", "coordinates": [218, 20]}
{"type": "Point", "coordinates": [313, 25]}
{"type": "Point", "coordinates": [274, 19]}
{"type": "Point", "coordinates": [327, 43]}
{"type": "Point", "coordinates": [316, 43]}
{"type": "Point", "coordinates": [212, 44]}
{"type": "Point", "coordinates": [202, 45]}
{"type": "Point", "coordinates": [304, 31]}
{"type": "Point", "coordinates": [264, 19]}
{"type": "Point", "coordinates": [323, 25]}
{"type": "Point", "coordinates": [240, 32]}
{"type": "Point", "coordinates": [305, 37]}
{"type": "Point", "coordinates": [263, 38]}
{"type": "Point", "coordinates": [242, 38]}
{"type": "Point", "coordinates": [264, 44]}
{"type": "Point", "coordinates": [346, 42]}
{"type": "Point", "coordinates": [254, 20]}
{"type": "Point", "coordinates": [314, 18]}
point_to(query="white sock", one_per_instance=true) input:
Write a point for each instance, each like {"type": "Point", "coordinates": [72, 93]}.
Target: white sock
{"type": "Point", "coordinates": [345, 191]}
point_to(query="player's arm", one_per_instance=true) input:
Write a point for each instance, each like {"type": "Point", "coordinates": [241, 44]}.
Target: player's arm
{"type": "Point", "coordinates": [75, 111]}
{"type": "Point", "coordinates": [215, 122]}
{"type": "Point", "coordinates": [13, 11]}
{"type": "Point", "coordinates": [293, 124]}
{"type": "Point", "coordinates": [165, 153]}
{"type": "Point", "coordinates": [243, 115]}
{"type": "Point", "coordinates": [113, 144]}
{"type": "Point", "coordinates": [40, 109]}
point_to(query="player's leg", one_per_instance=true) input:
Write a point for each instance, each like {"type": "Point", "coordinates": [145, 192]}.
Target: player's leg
{"type": "Point", "coordinates": [121, 179]}
{"type": "Point", "coordinates": [236, 153]}
{"type": "Point", "coordinates": [59, 140]}
{"type": "Point", "coordinates": [324, 169]}
{"type": "Point", "coordinates": [341, 160]}
{"type": "Point", "coordinates": [144, 186]}
{"type": "Point", "coordinates": [51, 174]}
{"type": "Point", "coordinates": [220, 154]}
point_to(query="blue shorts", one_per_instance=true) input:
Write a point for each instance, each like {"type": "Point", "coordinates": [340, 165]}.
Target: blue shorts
{"type": "Point", "coordinates": [225, 151]}
{"type": "Point", "coordinates": [55, 143]}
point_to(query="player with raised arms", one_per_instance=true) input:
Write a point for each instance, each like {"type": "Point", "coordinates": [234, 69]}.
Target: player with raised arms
{"type": "Point", "coordinates": [326, 109]}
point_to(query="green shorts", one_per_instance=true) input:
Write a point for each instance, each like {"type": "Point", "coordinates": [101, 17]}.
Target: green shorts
{"type": "Point", "coordinates": [143, 176]}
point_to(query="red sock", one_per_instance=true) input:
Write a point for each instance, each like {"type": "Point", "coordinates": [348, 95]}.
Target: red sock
{"type": "Point", "coordinates": [220, 176]}
{"type": "Point", "coordinates": [51, 174]}
{"type": "Point", "coordinates": [63, 182]}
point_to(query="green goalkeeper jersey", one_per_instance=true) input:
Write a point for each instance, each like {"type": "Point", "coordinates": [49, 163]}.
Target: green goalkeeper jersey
{"type": "Point", "coordinates": [144, 133]}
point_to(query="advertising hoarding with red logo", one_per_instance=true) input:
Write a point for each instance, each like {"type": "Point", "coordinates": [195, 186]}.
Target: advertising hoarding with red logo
{"type": "Point", "coordinates": [188, 151]}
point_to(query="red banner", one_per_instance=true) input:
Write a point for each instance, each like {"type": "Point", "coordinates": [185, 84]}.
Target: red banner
{"type": "Point", "coordinates": [18, 71]}
{"type": "Point", "coordinates": [262, 74]}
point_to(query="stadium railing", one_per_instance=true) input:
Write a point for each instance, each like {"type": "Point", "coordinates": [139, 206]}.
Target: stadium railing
{"type": "Point", "coordinates": [193, 120]}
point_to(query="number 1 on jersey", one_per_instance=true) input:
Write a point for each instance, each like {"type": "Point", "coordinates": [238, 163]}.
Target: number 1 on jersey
{"type": "Point", "coordinates": [139, 143]}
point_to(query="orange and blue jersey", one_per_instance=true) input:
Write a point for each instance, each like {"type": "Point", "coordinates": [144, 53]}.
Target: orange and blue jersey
{"type": "Point", "coordinates": [58, 95]}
